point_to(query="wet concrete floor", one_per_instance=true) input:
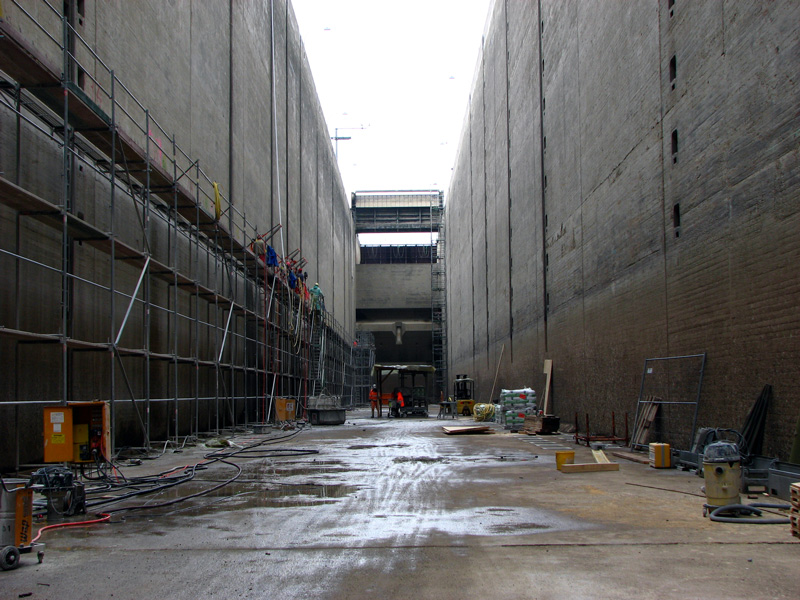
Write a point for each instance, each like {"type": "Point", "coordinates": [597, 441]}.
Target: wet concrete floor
{"type": "Point", "coordinates": [396, 509]}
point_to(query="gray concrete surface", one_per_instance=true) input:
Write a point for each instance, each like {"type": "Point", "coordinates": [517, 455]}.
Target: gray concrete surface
{"type": "Point", "coordinates": [562, 236]}
{"type": "Point", "coordinates": [397, 509]}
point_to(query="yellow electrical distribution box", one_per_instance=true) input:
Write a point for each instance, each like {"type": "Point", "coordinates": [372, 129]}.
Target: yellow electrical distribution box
{"type": "Point", "coordinates": [660, 456]}
{"type": "Point", "coordinates": [284, 409]}
{"type": "Point", "coordinates": [78, 432]}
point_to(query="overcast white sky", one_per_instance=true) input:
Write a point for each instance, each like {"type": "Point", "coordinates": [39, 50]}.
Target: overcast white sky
{"type": "Point", "coordinates": [403, 71]}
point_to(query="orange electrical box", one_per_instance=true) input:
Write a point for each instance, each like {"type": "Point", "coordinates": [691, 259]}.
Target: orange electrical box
{"type": "Point", "coordinates": [284, 409]}
{"type": "Point", "coordinates": [58, 434]}
{"type": "Point", "coordinates": [78, 432]}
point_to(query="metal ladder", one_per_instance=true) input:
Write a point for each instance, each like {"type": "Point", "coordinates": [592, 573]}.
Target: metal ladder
{"type": "Point", "coordinates": [317, 359]}
{"type": "Point", "coordinates": [439, 302]}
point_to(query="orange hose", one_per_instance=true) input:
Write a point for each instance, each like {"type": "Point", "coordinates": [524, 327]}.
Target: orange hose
{"type": "Point", "coordinates": [105, 518]}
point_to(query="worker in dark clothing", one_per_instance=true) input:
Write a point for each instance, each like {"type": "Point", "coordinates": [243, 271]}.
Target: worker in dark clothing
{"type": "Point", "coordinates": [375, 401]}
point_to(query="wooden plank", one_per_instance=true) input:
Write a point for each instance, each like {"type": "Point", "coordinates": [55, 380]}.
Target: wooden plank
{"type": "Point", "coordinates": [647, 415]}
{"type": "Point", "coordinates": [642, 460]}
{"type": "Point", "coordinates": [548, 371]}
{"type": "Point", "coordinates": [589, 467]}
{"type": "Point", "coordinates": [465, 430]}
{"type": "Point", "coordinates": [600, 456]}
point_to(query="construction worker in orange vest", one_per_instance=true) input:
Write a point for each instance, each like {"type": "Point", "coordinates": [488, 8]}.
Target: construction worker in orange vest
{"type": "Point", "coordinates": [398, 402]}
{"type": "Point", "coordinates": [374, 401]}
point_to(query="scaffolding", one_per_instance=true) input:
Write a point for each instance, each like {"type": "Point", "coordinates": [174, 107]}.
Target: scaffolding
{"type": "Point", "coordinates": [364, 360]}
{"type": "Point", "coordinates": [200, 334]}
{"type": "Point", "coordinates": [439, 301]}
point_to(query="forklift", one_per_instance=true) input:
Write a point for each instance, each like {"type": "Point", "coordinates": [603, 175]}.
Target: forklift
{"type": "Point", "coordinates": [463, 395]}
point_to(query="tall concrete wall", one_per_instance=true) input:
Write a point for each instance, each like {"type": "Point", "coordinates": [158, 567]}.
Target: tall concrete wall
{"type": "Point", "coordinates": [394, 287]}
{"type": "Point", "coordinates": [205, 72]}
{"type": "Point", "coordinates": [576, 234]}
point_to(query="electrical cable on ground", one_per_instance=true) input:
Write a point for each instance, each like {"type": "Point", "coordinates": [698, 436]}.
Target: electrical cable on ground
{"type": "Point", "coordinates": [152, 484]}
{"type": "Point", "coordinates": [718, 513]}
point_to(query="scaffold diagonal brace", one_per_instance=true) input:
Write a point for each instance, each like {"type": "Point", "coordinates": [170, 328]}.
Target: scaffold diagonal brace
{"type": "Point", "coordinates": [133, 299]}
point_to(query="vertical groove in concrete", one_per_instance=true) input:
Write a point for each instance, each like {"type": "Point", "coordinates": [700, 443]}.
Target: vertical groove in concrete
{"type": "Point", "coordinates": [474, 352]}
{"type": "Point", "coordinates": [663, 187]}
{"type": "Point", "coordinates": [272, 126]}
{"type": "Point", "coordinates": [539, 32]}
{"type": "Point", "coordinates": [583, 358]}
{"type": "Point", "coordinates": [485, 214]}
{"type": "Point", "coordinates": [287, 225]}
{"type": "Point", "coordinates": [509, 227]}
{"type": "Point", "coordinates": [231, 192]}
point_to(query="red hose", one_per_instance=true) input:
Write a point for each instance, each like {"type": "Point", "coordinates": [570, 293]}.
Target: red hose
{"type": "Point", "coordinates": [105, 518]}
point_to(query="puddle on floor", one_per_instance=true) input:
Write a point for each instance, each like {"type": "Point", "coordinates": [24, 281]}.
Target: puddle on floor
{"type": "Point", "coordinates": [296, 495]}
{"type": "Point", "coordinates": [273, 470]}
{"type": "Point", "coordinates": [238, 496]}
{"type": "Point", "coordinates": [461, 523]}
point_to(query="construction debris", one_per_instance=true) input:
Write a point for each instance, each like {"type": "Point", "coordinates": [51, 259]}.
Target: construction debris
{"type": "Point", "coordinates": [541, 425]}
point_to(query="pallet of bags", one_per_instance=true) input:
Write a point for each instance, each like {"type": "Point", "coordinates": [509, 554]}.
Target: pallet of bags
{"type": "Point", "coordinates": [516, 405]}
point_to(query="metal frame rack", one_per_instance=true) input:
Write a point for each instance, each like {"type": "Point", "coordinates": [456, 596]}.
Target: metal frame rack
{"type": "Point", "coordinates": [187, 346]}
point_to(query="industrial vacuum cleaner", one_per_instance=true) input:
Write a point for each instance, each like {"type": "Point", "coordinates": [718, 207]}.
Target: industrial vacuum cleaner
{"type": "Point", "coordinates": [16, 524]}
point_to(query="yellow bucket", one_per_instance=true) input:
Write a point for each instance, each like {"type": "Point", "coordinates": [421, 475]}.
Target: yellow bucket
{"type": "Point", "coordinates": [564, 457]}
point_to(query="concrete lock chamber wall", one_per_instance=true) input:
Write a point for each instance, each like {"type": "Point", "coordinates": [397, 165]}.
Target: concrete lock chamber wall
{"type": "Point", "coordinates": [143, 147]}
{"type": "Point", "coordinates": [626, 188]}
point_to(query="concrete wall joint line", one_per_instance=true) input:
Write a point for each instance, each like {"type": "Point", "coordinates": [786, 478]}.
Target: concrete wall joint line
{"type": "Point", "coordinates": [472, 243]}
{"type": "Point", "coordinates": [545, 307]}
{"type": "Point", "coordinates": [662, 180]}
{"type": "Point", "coordinates": [509, 223]}
{"type": "Point", "coordinates": [485, 199]}
{"type": "Point", "coordinates": [584, 353]}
